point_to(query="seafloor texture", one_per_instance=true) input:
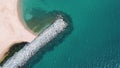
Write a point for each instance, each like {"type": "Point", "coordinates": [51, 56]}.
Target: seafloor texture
{"type": "Point", "coordinates": [94, 41]}
{"type": "Point", "coordinates": [36, 18]}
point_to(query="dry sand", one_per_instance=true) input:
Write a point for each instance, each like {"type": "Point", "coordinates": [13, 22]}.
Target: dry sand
{"type": "Point", "coordinates": [12, 29]}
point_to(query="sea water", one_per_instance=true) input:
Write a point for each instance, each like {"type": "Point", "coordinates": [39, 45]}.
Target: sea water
{"type": "Point", "coordinates": [94, 41]}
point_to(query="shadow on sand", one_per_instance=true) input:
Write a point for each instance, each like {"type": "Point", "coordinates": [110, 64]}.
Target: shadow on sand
{"type": "Point", "coordinates": [53, 43]}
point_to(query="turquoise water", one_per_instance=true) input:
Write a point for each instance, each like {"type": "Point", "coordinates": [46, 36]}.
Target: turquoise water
{"type": "Point", "coordinates": [95, 39]}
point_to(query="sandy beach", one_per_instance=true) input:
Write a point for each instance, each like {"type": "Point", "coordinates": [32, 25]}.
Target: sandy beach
{"type": "Point", "coordinates": [12, 29]}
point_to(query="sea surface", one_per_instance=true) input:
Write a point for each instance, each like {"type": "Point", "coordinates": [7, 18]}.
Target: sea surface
{"type": "Point", "coordinates": [94, 41]}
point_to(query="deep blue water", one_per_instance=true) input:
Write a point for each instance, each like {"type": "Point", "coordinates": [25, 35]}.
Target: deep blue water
{"type": "Point", "coordinates": [94, 41]}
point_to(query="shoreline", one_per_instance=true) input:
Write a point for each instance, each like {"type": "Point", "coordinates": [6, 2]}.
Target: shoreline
{"type": "Point", "coordinates": [21, 19]}
{"type": "Point", "coordinates": [12, 27]}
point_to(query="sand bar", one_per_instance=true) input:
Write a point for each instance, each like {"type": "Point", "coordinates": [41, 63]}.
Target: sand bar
{"type": "Point", "coordinates": [12, 29]}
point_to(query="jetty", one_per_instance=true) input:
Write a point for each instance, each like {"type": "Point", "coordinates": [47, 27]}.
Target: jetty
{"type": "Point", "coordinates": [21, 57]}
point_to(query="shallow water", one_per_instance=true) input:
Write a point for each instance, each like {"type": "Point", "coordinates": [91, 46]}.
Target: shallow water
{"type": "Point", "coordinates": [94, 41]}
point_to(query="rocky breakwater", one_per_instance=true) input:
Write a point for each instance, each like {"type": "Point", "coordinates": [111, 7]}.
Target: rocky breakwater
{"type": "Point", "coordinates": [21, 57]}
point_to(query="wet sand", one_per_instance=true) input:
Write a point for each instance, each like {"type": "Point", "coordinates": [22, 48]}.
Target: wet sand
{"type": "Point", "coordinates": [12, 28]}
